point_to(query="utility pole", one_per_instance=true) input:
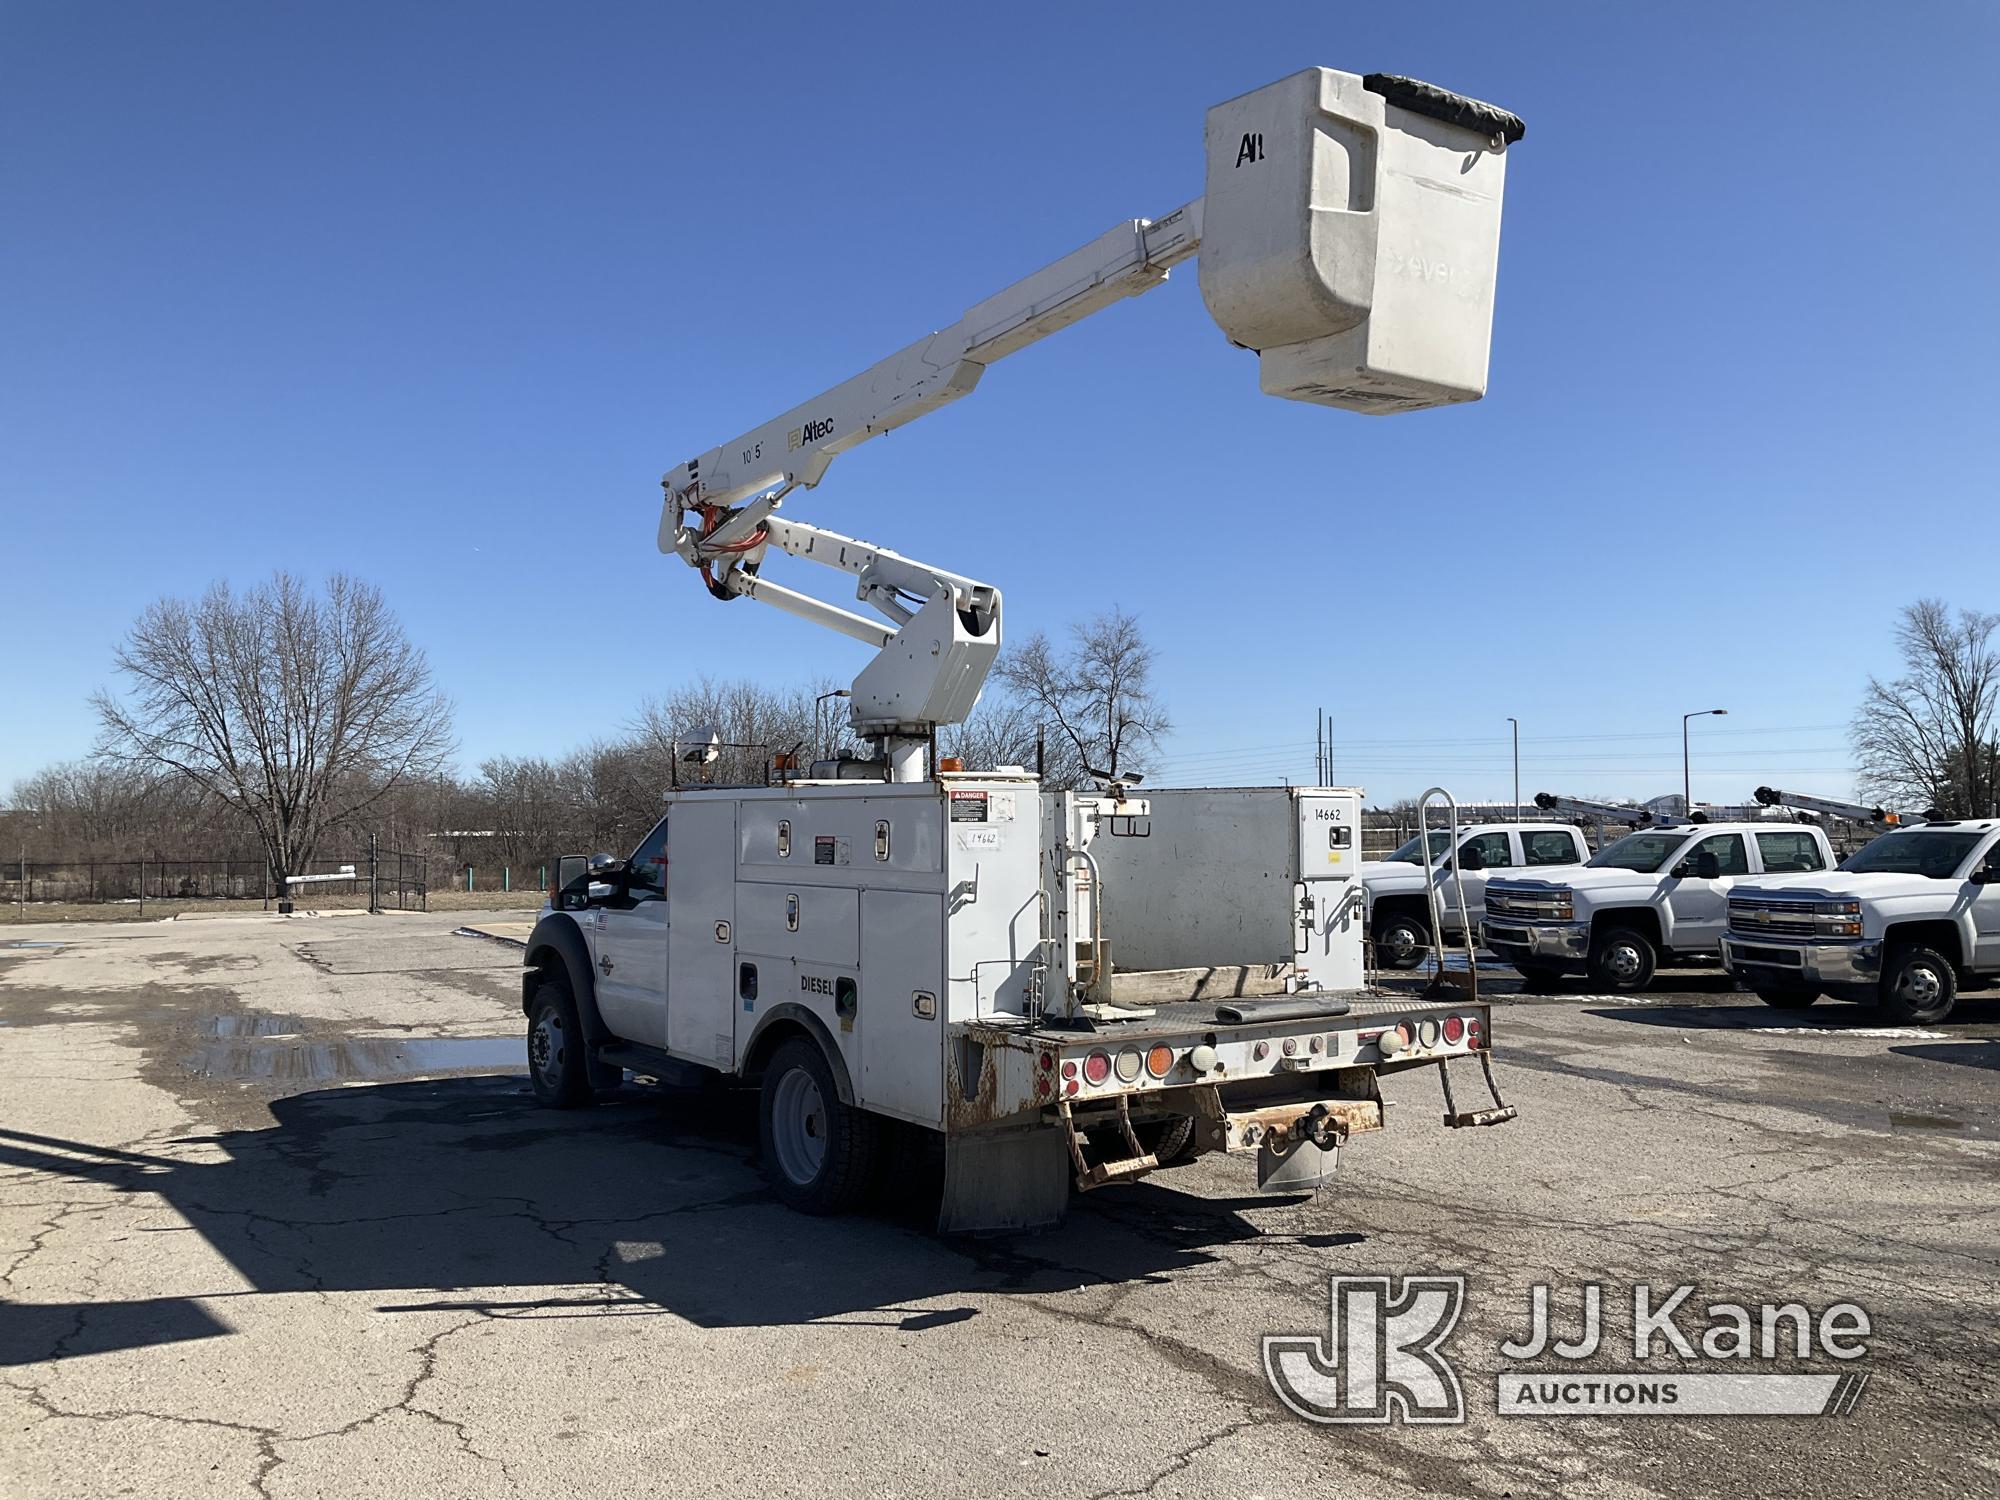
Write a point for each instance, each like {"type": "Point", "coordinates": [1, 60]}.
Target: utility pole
{"type": "Point", "coordinates": [1687, 778]}
{"type": "Point", "coordinates": [1517, 766]}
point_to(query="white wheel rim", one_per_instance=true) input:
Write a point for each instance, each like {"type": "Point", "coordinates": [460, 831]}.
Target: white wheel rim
{"type": "Point", "coordinates": [545, 1049]}
{"type": "Point", "coordinates": [798, 1127]}
{"type": "Point", "coordinates": [1624, 961]}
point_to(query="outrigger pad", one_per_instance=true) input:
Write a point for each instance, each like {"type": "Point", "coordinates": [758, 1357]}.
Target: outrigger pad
{"type": "Point", "coordinates": [1302, 1009]}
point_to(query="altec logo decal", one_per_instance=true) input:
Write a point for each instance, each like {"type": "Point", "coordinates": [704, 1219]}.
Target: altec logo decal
{"type": "Point", "coordinates": [812, 432]}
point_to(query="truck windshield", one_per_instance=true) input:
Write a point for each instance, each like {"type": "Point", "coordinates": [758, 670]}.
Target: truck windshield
{"type": "Point", "coordinates": [1644, 852]}
{"type": "Point", "coordinates": [1412, 853]}
{"type": "Point", "coordinates": [1934, 855]}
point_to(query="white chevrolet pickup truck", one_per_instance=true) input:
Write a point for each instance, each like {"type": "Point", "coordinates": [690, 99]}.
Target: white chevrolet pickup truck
{"type": "Point", "coordinates": [1399, 914]}
{"type": "Point", "coordinates": [1657, 895]}
{"type": "Point", "coordinates": [1905, 922]}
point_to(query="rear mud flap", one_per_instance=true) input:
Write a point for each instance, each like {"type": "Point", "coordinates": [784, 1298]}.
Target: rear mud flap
{"type": "Point", "coordinates": [1291, 1165]}
{"type": "Point", "coordinates": [999, 1180]}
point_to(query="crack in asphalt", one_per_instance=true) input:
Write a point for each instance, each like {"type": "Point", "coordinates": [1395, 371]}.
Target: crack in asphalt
{"type": "Point", "coordinates": [1183, 1458]}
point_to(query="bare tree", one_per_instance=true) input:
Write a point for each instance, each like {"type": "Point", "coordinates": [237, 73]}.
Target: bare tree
{"type": "Point", "coordinates": [1927, 739]}
{"type": "Point", "coordinates": [298, 710]}
{"type": "Point", "coordinates": [1002, 731]}
{"type": "Point", "coordinates": [1097, 696]}
{"type": "Point", "coordinates": [755, 722]}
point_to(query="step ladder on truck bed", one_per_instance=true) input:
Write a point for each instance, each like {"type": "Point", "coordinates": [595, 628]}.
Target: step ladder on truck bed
{"type": "Point", "coordinates": [1444, 979]}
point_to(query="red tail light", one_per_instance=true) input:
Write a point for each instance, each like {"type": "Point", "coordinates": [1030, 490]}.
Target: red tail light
{"type": "Point", "coordinates": [1454, 1029]}
{"type": "Point", "coordinates": [1097, 1067]}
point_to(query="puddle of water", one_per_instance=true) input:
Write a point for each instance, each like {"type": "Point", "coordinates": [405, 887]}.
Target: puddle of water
{"type": "Point", "coordinates": [26, 943]}
{"type": "Point", "coordinates": [1924, 1122]}
{"type": "Point", "coordinates": [251, 1025]}
{"type": "Point", "coordinates": [368, 1058]}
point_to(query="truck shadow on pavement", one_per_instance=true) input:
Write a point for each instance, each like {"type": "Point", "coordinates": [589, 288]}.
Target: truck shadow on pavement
{"type": "Point", "coordinates": [463, 1194]}
{"type": "Point", "coordinates": [1828, 1015]}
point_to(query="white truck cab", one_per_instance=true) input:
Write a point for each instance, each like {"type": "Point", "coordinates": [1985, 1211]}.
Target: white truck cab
{"type": "Point", "coordinates": [1907, 921]}
{"type": "Point", "coordinates": [1399, 913]}
{"type": "Point", "coordinates": [1656, 895]}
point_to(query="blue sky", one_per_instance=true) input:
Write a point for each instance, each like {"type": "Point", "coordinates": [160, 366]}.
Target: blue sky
{"type": "Point", "coordinates": [433, 294]}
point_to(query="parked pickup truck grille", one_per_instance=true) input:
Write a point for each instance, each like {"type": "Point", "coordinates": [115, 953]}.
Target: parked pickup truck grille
{"type": "Point", "coordinates": [1524, 904]}
{"type": "Point", "coordinates": [1765, 916]}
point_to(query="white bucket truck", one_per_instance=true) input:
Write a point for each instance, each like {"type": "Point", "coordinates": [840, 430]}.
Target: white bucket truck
{"type": "Point", "coordinates": [1906, 922]}
{"type": "Point", "coordinates": [1083, 987]}
{"type": "Point", "coordinates": [1658, 895]}
{"type": "Point", "coordinates": [1399, 899]}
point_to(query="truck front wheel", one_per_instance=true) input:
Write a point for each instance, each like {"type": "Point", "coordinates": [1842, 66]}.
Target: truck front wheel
{"type": "Point", "coordinates": [1401, 936]}
{"type": "Point", "coordinates": [557, 1067]}
{"type": "Point", "coordinates": [1918, 984]}
{"type": "Point", "coordinates": [819, 1152]}
{"type": "Point", "coordinates": [1623, 959]}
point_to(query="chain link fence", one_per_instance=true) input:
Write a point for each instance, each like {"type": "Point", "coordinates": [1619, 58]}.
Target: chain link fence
{"type": "Point", "coordinates": [387, 878]}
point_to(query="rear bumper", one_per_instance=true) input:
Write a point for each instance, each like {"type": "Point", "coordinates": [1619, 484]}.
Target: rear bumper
{"type": "Point", "coordinates": [997, 1074]}
{"type": "Point", "coordinates": [1826, 965]}
{"type": "Point", "coordinates": [1555, 945]}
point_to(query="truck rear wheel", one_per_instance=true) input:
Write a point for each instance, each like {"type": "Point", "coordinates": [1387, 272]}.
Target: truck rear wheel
{"type": "Point", "coordinates": [1401, 936]}
{"type": "Point", "coordinates": [557, 1067]}
{"type": "Point", "coordinates": [1623, 958]}
{"type": "Point", "coordinates": [1918, 984]}
{"type": "Point", "coordinates": [819, 1152]}
{"type": "Point", "coordinates": [1170, 1141]}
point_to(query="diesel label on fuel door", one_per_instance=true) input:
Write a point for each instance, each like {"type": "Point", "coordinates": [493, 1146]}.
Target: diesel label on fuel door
{"type": "Point", "coordinates": [968, 807]}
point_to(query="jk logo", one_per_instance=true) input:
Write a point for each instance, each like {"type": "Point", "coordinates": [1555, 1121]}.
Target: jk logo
{"type": "Point", "coordinates": [1381, 1361]}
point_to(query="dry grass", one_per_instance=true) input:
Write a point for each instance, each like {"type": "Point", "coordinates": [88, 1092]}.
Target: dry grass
{"type": "Point", "coordinates": [132, 911]}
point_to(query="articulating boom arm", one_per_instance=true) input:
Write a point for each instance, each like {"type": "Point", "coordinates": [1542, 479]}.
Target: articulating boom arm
{"type": "Point", "coordinates": [1605, 812]}
{"type": "Point", "coordinates": [1349, 235]}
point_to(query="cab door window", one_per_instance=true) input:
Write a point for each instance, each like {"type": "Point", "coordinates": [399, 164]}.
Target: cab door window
{"type": "Point", "coordinates": [1789, 853]}
{"type": "Point", "coordinates": [648, 865]}
{"type": "Point", "coordinates": [1731, 858]}
{"type": "Point", "coordinates": [1491, 849]}
{"type": "Point", "coordinates": [1551, 846]}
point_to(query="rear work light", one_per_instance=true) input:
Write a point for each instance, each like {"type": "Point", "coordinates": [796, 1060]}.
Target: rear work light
{"type": "Point", "coordinates": [1160, 1061]}
{"type": "Point", "coordinates": [1097, 1067]}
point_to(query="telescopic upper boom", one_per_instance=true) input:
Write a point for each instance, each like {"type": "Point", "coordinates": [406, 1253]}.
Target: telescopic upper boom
{"type": "Point", "coordinates": [1348, 235]}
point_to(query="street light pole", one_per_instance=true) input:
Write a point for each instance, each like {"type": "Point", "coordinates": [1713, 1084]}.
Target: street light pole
{"type": "Point", "coordinates": [1517, 766]}
{"type": "Point", "coordinates": [1687, 778]}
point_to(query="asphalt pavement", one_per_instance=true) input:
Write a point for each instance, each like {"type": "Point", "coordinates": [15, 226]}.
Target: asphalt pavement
{"type": "Point", "coordinates": [278, 1216]}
